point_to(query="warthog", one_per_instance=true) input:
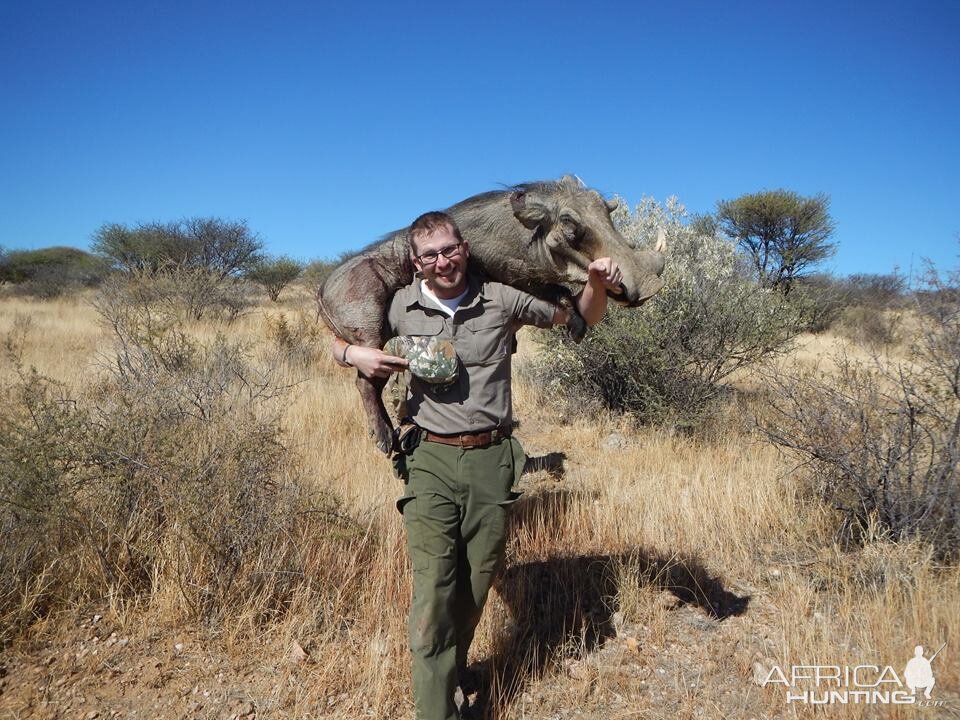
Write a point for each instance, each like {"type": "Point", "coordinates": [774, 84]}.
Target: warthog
{"type": "Point", "coordinates": [536, 236]}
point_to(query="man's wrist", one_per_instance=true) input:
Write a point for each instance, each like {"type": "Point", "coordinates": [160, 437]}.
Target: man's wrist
{"type": "Point", "coordinates": [343, 356]}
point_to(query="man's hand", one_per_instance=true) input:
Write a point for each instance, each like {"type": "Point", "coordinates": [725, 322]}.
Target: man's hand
{"type": "Point", "coordinates": [605, 273]}
{"type": "Point", "coordinates": [602, 274]}
{"type": "Point", "coordinates": [372, 362]}
{"type": "Point", "coordinates": [369, 362]}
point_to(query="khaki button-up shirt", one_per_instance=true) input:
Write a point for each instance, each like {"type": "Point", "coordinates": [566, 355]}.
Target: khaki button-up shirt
{"type": "Point", "coordinates": [482, 331]}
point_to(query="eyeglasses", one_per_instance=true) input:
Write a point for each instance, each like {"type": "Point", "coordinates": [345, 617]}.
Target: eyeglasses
{"type": "Point", "coordinates": [429, 258]}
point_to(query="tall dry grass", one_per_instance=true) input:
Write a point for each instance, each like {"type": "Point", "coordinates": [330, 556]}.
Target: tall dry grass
{"type": "Point", "coordinates": [641, 520]}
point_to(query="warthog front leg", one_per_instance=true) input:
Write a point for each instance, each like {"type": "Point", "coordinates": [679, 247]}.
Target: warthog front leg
{"type": "Point", "coordinates": [560, 296]}
{"type": "Point", "coordinates": [378, 421]}
{"type": "Point", "coordinates": [576, 325]}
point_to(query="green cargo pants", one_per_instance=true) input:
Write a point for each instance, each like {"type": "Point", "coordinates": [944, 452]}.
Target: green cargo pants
{"type": "Point", "coordinates": [455, 510]}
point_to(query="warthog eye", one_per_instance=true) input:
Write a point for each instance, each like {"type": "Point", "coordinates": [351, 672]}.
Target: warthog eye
{"type": "Point", "coordinates": [571, 230]}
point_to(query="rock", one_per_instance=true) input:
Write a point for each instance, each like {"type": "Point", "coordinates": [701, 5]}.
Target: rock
{"type": "Point", "coordinates": [297, 653]}
{"type": "Point", "coordinates": [614, 441]}
{"type": "Point", "coordinates": [666, 600]}
{"type": "Point", "coordinates": [579, 670]}
{"type": "Point", "coordinates": [761, 670]}
{"type": "Point", "coordinates": [379, 646]}
{"type": "Point", "coordinates": [97, 618]}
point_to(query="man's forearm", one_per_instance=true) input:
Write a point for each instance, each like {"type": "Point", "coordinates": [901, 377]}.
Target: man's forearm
{"type": "Point", "coordinates": [370, 362]}
{"type": "Point", "coordinates": [592, 303]}
{"type": "Point", "coordinates": [338, 349]}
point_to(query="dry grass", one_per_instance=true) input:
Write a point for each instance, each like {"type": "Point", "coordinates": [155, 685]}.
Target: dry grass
{"type": "Point", "coordinates": [714, 558]}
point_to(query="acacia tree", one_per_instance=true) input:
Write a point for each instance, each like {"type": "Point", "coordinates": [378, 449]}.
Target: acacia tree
{"type": "Point", "coordinates": [222, 247]}
{"type": "Point", "coordinates": [195, 264]}
{"type": "Point", "coordinates": [784, 233]}
{"type": "Point", "coordinates": [275, 273]}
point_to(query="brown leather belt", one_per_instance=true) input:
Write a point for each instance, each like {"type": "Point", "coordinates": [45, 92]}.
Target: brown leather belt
{"type": "Point", "coordinates": [469, 440]}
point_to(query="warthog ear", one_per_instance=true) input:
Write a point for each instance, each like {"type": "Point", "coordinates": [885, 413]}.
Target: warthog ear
{"type": "Point", "coordinates": [528, 210]}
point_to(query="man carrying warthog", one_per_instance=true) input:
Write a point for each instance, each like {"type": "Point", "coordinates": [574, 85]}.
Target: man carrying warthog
{"type": "Point", "coordinates": [463, 461]}
{"type": "Point", "coordinates": [537, 236]}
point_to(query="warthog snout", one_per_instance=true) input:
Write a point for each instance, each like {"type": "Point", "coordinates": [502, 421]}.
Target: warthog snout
{"type": "Point", "coordinates": [644, 275]}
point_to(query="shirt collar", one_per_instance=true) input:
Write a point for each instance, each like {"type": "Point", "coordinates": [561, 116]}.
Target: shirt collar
{"type": "Point", "coordinates": [475, 293]}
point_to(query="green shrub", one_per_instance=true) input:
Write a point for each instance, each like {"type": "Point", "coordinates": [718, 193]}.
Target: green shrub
{"type": "Point", "coordinates": [167, 469]}
{"type": "Point", "coordinates": [843, 301]}
{"type": "Point", "coordinates": [176, 292]}
{"type": "Point", "coordinates": [298, 342]}
{"type": "Point", "coordinates": [666, 362]}
{"type": "Point", "coordinates": [869, 326]}
{"type": "Point", "coordinates": [878, 291]}
{"type": "Point", "coordinates": [825, 298]}
{"type": "Point", "coordinates": [50, 272]}
{"type": "Point", "coordinates": [882, 437]}
{"type": "Point", "coordinates": [275, 273]}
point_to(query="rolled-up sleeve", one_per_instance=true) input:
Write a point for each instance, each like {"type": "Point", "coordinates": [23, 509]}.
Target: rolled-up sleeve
{"type": "Point", "coordinates": [526, 308]}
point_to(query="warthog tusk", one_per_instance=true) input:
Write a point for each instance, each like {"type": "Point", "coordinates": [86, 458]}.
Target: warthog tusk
{"type": "Point", "coordinates": [661, 241]}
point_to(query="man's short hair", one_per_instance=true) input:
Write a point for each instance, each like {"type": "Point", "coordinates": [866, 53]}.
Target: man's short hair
{"type": "Point", "coordinates": [429, 223]}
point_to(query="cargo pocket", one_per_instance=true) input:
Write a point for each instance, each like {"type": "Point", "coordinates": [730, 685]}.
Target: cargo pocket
{"type": "Point", "coordinates": [519, 459]}
{"type": "Point", "coordinates": [512, 497]}
{"type": "Point", "coordinates": [407, 507]}
{"type": "Point", "coordinates": [496, 534]}
{"type": "Point", "coordinates": [404, 501]}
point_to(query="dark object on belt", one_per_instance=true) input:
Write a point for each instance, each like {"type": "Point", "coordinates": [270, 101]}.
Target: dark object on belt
{"type": "Point", "coordinates": [469, 440]}
{"type": "Point", "coordinates": [406, 437]}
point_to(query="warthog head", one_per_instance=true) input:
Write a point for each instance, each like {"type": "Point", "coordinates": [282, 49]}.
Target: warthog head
{"type": "Point", "coordinates": [571, 227]}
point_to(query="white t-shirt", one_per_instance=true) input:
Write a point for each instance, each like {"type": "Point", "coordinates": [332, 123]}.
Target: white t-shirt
{"type": "Point", "coordinates": [448, 305]}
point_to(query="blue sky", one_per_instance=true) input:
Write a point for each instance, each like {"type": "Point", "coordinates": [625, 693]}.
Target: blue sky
{"type": "Point", "coordinates": [325, 126]}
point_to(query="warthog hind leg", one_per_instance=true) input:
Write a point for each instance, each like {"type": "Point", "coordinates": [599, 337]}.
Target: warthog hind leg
{"type": "Point", "coordinates": [378, 421]}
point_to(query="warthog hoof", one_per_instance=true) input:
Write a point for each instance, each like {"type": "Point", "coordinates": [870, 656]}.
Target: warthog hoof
{"type": "Point", "coordinates": [383, 436]}
{"type": "Point", "coordinates": [576, 326]}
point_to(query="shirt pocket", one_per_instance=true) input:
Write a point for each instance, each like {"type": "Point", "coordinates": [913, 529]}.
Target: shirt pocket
{"type": "Point", "coordinates": [413, 325]}
{"type": "Point", "coordinates": [486, 340]}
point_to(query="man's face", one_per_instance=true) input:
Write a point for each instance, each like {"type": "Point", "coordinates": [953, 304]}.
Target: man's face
{"type": "Point", "coordinates": [447, 277]}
